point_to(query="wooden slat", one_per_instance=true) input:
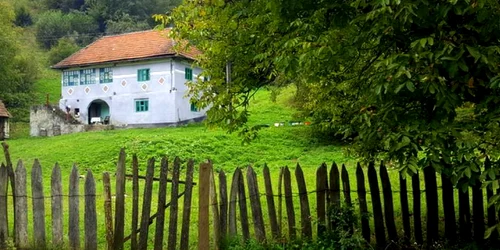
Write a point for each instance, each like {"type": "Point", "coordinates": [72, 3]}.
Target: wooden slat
{"type": "Point", "coordinates": [74, 209]}
{"type": "Point", "coordinates": [108, 213]}
{"type": "Point", "coordinates": [346, 186]}
{"type": "Point", "coordinates": [417, 219]}
{"type": "Point", "coordinates": [233, 200]}
{"type": "Point", "coordinates": [146, 206]}
{"type": "Point", "coordinates": [4, 224]}
{"type": "Point", "coordinates": [223, 203]}
{"type": "Point", "coordinates": [464, 215]}
{"type": "Point", "coordinates": [271, 208]}
{"type": "Point", "coordinates": [135, 202]}
{"type": "Point", "coordinates": [405, 210]}
{"type": "Point", "coordinates": [321, 188]}
{"type": "Point", "coordinates": [186, 213]}
{"type": "Point", "coordinates": [388, 203]}
{"type": "Point", "coordinates": [57, 207]}
{"type": "Point", "coordinates": [305, 212]}
{"type": "Point", "coordinates": [431, 197]}
{"type": "Point", "coordinates": [174, 205]}
{"type": "Point", "coordinates": [119, 202]}
{"type": "Point", "coordinates": [90, 213]}
{"type": "Point", "coordinates": [378, 216]}
{"type": "Point", "coordinates": [162, 199]}
{"type": "Point", "coordinates": [450, 224]}
{"type": "Point", "coordinates": [10, 173]}
{"type": "Point", "coordinates": [363, 208]}
{"type": "Point", "coordinates": [335, 186]}
{"type": "Point", "coordinates": [255, 205]}
{"type": "Point", "coordinates": [204, 206]}
{"type": "Point", "coordinates": [21, 207]}
{"type": "Point", "coordinates": [289, 203]}
{"type": "Point", "coordinates": [478, 211]}
{"type": "Point", "coordinates": [38, 205]}
{"type": "Point", "coordinates": [280, 200]}
{"type": "Point", "coordinates": [242, 202]}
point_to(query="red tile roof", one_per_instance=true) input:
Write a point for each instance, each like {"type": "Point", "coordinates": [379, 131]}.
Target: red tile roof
{"type": "Point", "coordinates": [3, 110]}
{"type": "Point", "coordinates": [126, 47]}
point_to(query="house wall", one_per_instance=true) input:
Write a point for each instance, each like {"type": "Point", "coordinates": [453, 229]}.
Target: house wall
{"type": "Point", "coordinates": [165, 92]}
{"type": "Point", "coordinates": [46, 122]}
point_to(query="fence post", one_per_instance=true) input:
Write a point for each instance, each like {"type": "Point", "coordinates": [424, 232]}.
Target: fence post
{"type": "Point", "coordinates": [289, 203]}
{"type": "Point", "coordinates": [57, 209]}
{"type": "Point", "coordinates": [146, 205]}
{"type": "Point", "coordinates": [388, 203]}
{"type": "Point", "coordinates": [491, 209]}
{"type": "Point", "coordinates": [90, 213]}
{"type": "Point", "coordinates": [335, 186]}
{"type": "Point", "coordinates": [10, 173]}
{"type": "Point", "coordinates": [108, 213]}
{"type": "Point", "coordinates": [417, 220]}
{"type": "Point", "coordinates": [186, 213]}
{"type": "Point", "coordinates": [21, 207]}
{"type": "Point", "coordinates": [305, 212]}
{"type": "Point", "coordinates": [38, 205]}
{"type": "Point", "coordinates": [377, 206]}
{"type": "Point", "coordinates": [280, 200]}
{"type": "Point", "coordinates": [162, 199]}
{"type": "Point", "coordinates": [363, 208]}
{"type": "Point", "coordinates": [478, 211]}
{"type": "Point", "coordinates": [4, 225]}
{"type": "Point", "coordinates": [174, 205]}
{"type": "Point", "coordinates": [223, 204]}
{"type": "Point", "coordinates": [431, 197]}
{"type": "Point", "coordinates": [232, 204]}
{"type": "Point", "coordinates": [119, 202]}
{"type": "Point", "coordinates": [346, 186]}
{"type": "Point", "coordinates": [204, 204]}
{"type": "Point", "coordinates": [450, 223]}
{"type": "Point", "coordinates": [74, 209]}
{"type": "Point", "coordinates": [321, 187]}
{"type": "Point", "coordinates": [242, 202]}
{"type": "Point", "coordinates": [255, 205]}
{"type": "Point", "coordinates": [135, 202]}
{"type": "Point", "coordinates": [271, 208]}
{"type": "Point", "coordinates": [403, 194]}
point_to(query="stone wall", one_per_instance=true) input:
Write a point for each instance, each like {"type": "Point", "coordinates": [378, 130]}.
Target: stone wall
{"type": "Point", "coordinates": [51, 121]}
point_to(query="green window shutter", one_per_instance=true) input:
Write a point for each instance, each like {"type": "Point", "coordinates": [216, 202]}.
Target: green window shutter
{"type": "Point", "coordinates": [194, 108]}
{"type": "Point", "coordinates": [143, 75]}
{"type": "Point", "coordinates": [188, 75]}
{"type": "Point", "coordinates": [141, 105]}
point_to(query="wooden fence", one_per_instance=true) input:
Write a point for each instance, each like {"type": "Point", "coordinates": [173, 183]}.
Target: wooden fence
{"type": "Point", "coordinates": [115, 233]}
{"type": "Point", "coordinates": [229, 213]}
{"type": "Point", "coordinates": [377, 224]}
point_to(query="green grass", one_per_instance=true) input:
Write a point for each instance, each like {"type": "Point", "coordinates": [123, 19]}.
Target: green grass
{"type": "Point", "coordinates": [49, 84]}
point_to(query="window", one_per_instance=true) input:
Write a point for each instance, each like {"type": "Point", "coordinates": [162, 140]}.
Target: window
{"type": "Point", "coordinates": [87, 76]}
{"type": "Point", "coordinates": [141, 105]}
{"type": "Point", "coordinates": [70, 78]}
{"type": "Point", "coordinates": [194, 108]}
{"type": "Point", "coordinates": [105, 75]}
{"type": "Point", "coordinates": [142, 75]}
{"type": "Point", "coordinates": [188, 74]}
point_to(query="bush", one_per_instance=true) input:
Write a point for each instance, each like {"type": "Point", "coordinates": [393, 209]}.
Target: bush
{"type": "Point", "coordinates": [23, 17]}
{"type": "Point", "coordinates": [64, 48]}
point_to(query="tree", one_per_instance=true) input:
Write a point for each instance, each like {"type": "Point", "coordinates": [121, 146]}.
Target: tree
{"type": "Point", "coordinates": [410, 81]}
{"type": "Point", "coordinates": [64, 48]}
{"type": "Point", "coordinates": [17, 70]}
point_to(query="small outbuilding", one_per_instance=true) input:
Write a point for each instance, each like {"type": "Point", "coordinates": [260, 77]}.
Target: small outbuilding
{"type": "Point", "coordinates": [4, 121]}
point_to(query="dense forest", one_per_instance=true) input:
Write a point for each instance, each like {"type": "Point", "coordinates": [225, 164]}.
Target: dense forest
{"type": "Point", "coordinates": [39, 33]}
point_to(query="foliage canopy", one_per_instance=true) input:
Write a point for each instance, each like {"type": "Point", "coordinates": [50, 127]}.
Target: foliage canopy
{"type": "Point", "coordinates": [415, 82]}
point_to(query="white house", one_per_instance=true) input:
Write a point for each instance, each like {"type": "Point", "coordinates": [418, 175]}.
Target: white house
{"type": "Point", "coordinates": [133, 79]}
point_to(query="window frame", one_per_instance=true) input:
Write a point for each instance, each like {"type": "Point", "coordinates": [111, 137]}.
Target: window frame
{"type": "Point", "coordinates": [87, 76]}
{"type": "Point", "coordinates": [188, 73]}
{"type": "Point", "coordinates": [143, 75]}
{"type": "Point", "coordinates": [71, 74]}
{"type": "Point", "coordinates": [194, 108]}
{"type": "Point", "coordinates": [141, 105]}
{"type": "Point", "coordinates": [105, 75]}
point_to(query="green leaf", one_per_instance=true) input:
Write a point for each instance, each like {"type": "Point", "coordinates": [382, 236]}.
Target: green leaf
{"type": "Point", "coordinates": [430, 40]}
{"type": "Point", "coordinates": [474, 52]}
{"type": "Point", "coordinates": [410, 86]}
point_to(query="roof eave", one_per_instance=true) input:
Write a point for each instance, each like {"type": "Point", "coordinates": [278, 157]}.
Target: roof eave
{"type": "Point", "coordinates": [63, 67]}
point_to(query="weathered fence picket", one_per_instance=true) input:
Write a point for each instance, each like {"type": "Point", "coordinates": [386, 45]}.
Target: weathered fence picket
{"type": "Point", "coordinates": [305, 212]}
{"type": "Point", "coordinates": [271, 208]}
{"type": "Point", "coordinates": [417, 219]}
{"type": "Point", "coordinates": [431, 198]}
{"type": "Point", "coordinates": [4, 225]}
{"type": "Point", "coordinates": [215, 211]}
{"type": "Point", "coordinates": [233, 200]}
{"type": "Point", "coordinates": [118, 233]}
{"type": "Point", "coordinates": [90, 213]}
{"type": "Point", "coordinates": [378, 216]}
{"type": "Point", "coordinates": [174, 205]}
{"type": "Point", "coordinates": [146, 206]}
{"type": "Point", "coordinates": [388, 203]}
{"type": "Point", "coordinates": [450, 227]}
{"type": "Point", "coordinates": [74, 208]}
{"type": "Point", "coordinates": [21, 207]}
{"type": "Point", "coordinates": [464, 216]}
{"type": "Point", "coordinates": [204, 206]}
{"type": "Point", "coordinates": [405, 213]}
{"type": "Point", "coordinates": [478, 211]}
{"type": "Point", "coordinates": [223, 204]}
{"type": "Point", "coordinates": [135, 202]}
{"type": "Point", "coordinates": [321, 187]}
{"type": "Point", "coordinates": [162, 199]}
{"type": "Point", "coordinates": [242, 202]}
{"type": "Point", "coordinates": [363, 207]}
{"type": "Point", "coordinates": [290, 211]}
{"type": "Point", "coordinates": [255, 206]}
{"type": "Point", "coordinates": [108, 213]}
{"type": "Point", "coordinates": [186, 213]}
{"type": "Point", "coordinates": [38, 205]}
{"type": "Point", "coordinates": [57, 206]}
